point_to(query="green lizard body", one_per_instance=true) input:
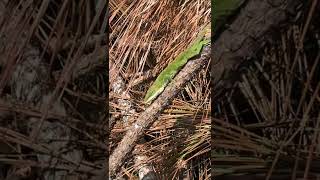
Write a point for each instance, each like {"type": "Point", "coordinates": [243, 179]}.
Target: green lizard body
{"type": "Point", "coordinates": [221, 10]}
{"type": "Point", "coordinates": [172, 69]}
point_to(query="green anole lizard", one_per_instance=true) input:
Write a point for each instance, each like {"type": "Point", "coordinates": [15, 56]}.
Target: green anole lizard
{"type": "Point", "coordinates": [172, 69]}
{"type": "Point", "coordinates": [221, 10]}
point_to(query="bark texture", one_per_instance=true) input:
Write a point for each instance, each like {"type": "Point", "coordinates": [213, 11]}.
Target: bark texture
{"type": "Point", "coordinates": [245, 36]}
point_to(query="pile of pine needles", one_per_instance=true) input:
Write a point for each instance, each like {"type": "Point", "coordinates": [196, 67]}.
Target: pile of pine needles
{"type": "Point", "coordinates": [267, 126]}
{"type": "Point", "coordinates": [53, 88]}
{"type": "Point", "coordinates": [144, 37]}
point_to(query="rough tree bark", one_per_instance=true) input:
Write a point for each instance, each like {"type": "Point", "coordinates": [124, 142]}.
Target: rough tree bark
{"type": "Point", "coordinates": [245, 36]}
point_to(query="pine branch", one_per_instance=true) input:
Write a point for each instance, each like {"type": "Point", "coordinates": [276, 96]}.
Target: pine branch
{"type": "Point", "coordinates": [147, 118]}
